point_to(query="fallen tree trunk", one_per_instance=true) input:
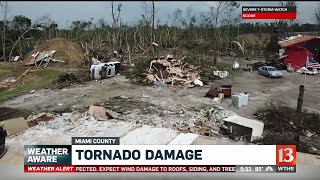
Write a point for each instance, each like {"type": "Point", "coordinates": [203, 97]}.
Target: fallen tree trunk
{"type": "Point", "coordinates": [14, 45]}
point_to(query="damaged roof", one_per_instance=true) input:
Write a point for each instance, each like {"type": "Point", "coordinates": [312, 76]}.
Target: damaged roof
{"type": "Point", "coordinates": [297, 40]}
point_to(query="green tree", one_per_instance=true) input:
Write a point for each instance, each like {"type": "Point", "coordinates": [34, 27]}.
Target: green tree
{"type": "Point", "coordinates": [317, 15]}
{"type": "Point", "coordinates": [20, 23]}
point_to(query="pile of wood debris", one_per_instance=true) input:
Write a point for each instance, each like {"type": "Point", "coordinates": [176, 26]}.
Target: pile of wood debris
{"type": "Point", "coordinates": [42, 59]}
{"type": "Point", "coordinates": [205, 128]}
{"type": "Point", "coordinates": [66, 53]}
{"type": "Point", "coordinates": [173, 72]}
{"type": "Point", "coordinates": [34, 120]}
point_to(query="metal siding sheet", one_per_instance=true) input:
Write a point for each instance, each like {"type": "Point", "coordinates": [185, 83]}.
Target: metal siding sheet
{"type": "Point", "coordinates": [296, 41]}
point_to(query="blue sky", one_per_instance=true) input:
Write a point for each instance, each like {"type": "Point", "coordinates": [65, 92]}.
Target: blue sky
{"type": "Point", "coordinates": [67, 11]}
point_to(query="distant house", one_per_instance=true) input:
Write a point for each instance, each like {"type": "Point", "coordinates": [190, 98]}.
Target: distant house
{"type": "Point", "coordinates": [298, 49]}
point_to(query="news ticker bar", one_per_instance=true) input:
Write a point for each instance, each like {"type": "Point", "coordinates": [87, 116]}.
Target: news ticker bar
{"type": "Point", "coordinates": [268, 12]}
{"type": "Point", "coordinates": [162, 168]}
{"type": "Point", "coordinates": [103, 154]}
{"type": "Point", "coordinates": [159, 154]}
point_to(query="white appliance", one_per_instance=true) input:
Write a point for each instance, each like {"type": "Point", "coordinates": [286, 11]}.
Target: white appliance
{"type": "Point", "coordinates": [240, 99]}
{"type": "Point", "coordinates": [244, 98]}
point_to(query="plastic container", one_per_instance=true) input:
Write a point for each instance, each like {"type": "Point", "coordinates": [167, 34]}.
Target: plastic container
{"type": "Point", "coordinates": [236, 65]}
{"type": "Point", "coordinates": [244, 98]}
{"type": "Point", "coordinates": [221, 95]}
{"type": "Point", "coordinates": [216, 100]}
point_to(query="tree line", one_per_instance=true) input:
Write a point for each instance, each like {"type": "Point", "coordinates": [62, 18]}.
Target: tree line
{"type": "Point", "coordinates": [213, 29]}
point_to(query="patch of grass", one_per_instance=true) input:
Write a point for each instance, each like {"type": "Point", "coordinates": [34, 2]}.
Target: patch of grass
{"type": "Point", "coordinates": [194, 109]}
{"type": "Point", "coordinates": [227, 67]}
{"type": "Point", "coordinates": [141, 66]}
{"type": "Point", "coordinates": [201, 108]}
{"type": "Point", "coordinates": [7, 70]}
{"type": "Point", "coordinates": [200, 59]}
{"type": "Point", "coordinates": [40, 79]}
{"type": "Point", "coordinates": [124, 105]}
{"type": "Point", "coordinates": [197, 47]}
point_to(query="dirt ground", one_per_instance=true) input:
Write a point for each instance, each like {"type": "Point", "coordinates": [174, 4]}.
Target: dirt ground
{"type": "Point", "coordinates": [174, 100]}
{"type": "Point", "coordinates": [167, 107]}
{"type": "Point", "coordinates": [170, 107]}
{"type": "Point", "coordinates": [285, 89]}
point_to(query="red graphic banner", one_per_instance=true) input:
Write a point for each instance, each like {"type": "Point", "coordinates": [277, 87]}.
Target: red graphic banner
{"type": "Point", "coordinates": [269, 15]}
{"type": "Point", "coordinates": [132, 168]}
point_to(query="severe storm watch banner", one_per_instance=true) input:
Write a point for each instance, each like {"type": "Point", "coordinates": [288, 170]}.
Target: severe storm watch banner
{"type": "Point", "coordinates": [105, 154]}
{"type": "Point", "coordinates": [269, 12]}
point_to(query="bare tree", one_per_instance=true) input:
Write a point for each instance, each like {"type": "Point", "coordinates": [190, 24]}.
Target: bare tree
{"type": "Point", "coordinates": [216, 11]}
{"type": "Point", "coordinates": [45, 22]}
{"type": "Point", "coordinates": [283, 25]}
{"type": "Point", "coordinates": [215, 15]}
{"type": "Point", "coordinates": [231, 16]}
{"type": "Point", "coordinates": [177, 19]}
{"type": "Point", "coordinates": [317, 15]}
{"type": "Point", "coordinates": [190, 22]}
{"type": "Point", "coordinates": [152, 28]}
{"type": "Point", "coordinates": [5, 9]}
{"type": "Point", "coordinates": [188, 17]}
{"type": "Point", "coordinates": [291, 4]}
{"type": "Point", "coordinates": [152, 36]}
{"type": "Point", "coordinates": [148, 23]}
{"type": "Point", "coordinates": [116, 14]}
{"type": "Point", "coordinates": [147, 17]}
{"type": "Point", "coordinates": [116, 22]}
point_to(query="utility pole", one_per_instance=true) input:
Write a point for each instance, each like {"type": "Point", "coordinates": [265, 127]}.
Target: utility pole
{"type": "Point", "coordinates": [300, 99]}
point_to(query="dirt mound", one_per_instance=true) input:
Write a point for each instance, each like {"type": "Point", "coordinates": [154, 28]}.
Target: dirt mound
{"type": "Point", "coordinates": [70, 52]}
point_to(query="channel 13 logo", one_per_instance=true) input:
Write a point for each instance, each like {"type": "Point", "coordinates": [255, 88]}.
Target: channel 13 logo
{"type": "Point", "coordinates": [286, 155]}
